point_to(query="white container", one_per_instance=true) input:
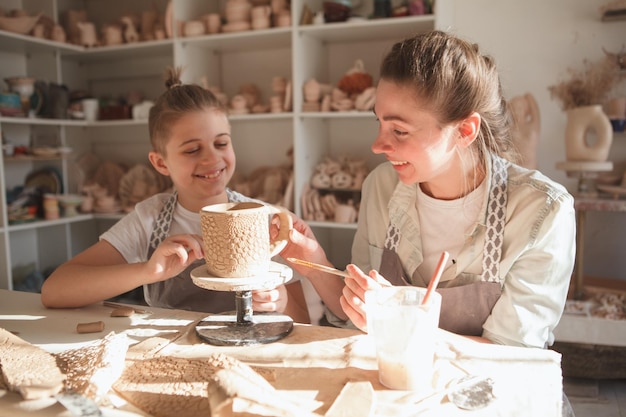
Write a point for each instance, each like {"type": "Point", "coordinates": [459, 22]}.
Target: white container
{"type": "Point", "coordinates": [404, 332]}
{"type": "Point", "coordinates": [90, 108]}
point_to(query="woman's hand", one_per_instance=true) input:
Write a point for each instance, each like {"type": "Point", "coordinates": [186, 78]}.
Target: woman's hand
{"type": "Point", "coordinates": [303, 245]}
{"type": "Point", "coordinates": [174, 255]}
{"type": "Point", "coordinates": [353, 297]}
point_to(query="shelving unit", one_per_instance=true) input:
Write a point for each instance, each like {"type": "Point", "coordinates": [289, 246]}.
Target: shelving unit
{"type": "Point", "coordinates": [228, 60]}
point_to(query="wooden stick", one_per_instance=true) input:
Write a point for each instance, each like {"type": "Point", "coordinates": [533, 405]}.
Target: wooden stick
{"type": "Point", "coordinates": [319, 267]}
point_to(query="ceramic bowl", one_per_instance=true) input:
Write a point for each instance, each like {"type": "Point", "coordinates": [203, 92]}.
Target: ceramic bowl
{"type": "Point", "coordinates": [45, 151]}
{"type": "Point", "coordinates": [618, 124]}
{"type": "Point", "coordinates": [21, 24]}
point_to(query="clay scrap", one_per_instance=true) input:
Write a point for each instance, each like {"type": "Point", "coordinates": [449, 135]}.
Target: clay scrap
{"type": "Point", "coordinates": [218, 385]}
{"type": "Point", "coordinates": [27, 369]}
{"type": "Point", "coordinates": [91, 370]}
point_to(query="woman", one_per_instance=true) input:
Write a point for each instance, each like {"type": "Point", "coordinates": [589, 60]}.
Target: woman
{"type": "Point", "coordinates": [449, 185]}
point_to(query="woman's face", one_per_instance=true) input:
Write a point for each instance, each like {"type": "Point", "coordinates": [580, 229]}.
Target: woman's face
{"type": "Point", "coordinates": [411, 137]}
{"type": "Point", "coordinates": [199, 158]}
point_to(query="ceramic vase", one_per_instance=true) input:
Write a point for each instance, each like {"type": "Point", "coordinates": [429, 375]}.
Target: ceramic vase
{"type": "Point", "coordinates": [588, 134]}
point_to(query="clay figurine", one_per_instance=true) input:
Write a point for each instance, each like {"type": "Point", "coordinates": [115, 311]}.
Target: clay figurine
{"type": "Point", "coordinates": [130, 31]}
{"type": "Point", "coordinates": [526, 127]}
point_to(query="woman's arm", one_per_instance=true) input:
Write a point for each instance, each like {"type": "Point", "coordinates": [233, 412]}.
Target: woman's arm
{"type": "Point", "coordinates": [535, 288]}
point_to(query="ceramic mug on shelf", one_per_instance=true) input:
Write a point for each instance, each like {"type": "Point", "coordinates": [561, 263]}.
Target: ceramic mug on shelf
{"type": "Point", "coordinates": [236, 238]}
{"type": "Point", "coordinates": [90, 108]}
{"type": "Point", "coordinates": [213, 23]}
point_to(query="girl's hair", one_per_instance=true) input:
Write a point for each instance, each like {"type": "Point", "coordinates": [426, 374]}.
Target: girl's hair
{"type": "Point", "coordinates": [455, 80]}
{"type": "Point", "coordinates": [178, 100]}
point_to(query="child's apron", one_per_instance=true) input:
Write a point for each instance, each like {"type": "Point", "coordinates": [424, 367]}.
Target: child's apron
{"type": "Point", "coordinates": [179, 291]}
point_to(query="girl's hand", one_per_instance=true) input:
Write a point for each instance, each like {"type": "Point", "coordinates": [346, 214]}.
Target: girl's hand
{"type": "Point", "coordinates": [174, 255]}
{"type": "Point", "coordinates": [270, 300]}
{"type": "Point", "coordinates": [353, 297]}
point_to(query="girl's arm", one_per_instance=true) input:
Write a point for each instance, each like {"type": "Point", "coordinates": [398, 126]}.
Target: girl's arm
{"type": "Point", "coordinates": [101, 272]}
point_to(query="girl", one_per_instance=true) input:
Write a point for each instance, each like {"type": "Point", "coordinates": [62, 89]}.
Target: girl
{"type": "Point", "coordinates": [157, 245]}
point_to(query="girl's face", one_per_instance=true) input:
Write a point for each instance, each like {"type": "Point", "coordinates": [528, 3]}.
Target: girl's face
{"type": "Point", "coordinates": [199, 158]}
{"type": "Point", "coordinates": [420, 149]}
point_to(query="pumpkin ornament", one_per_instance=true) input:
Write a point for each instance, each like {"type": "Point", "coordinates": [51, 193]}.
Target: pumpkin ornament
{"type": "Point", "coordinates": [355, 80]}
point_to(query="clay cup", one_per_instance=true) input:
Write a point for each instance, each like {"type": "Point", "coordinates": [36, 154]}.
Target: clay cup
{"type": "Point", "coordinates": [236, 238]}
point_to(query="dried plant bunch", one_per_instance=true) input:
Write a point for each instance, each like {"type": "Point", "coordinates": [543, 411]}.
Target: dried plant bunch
{"type": "Point", "coordinates": [588, 86]}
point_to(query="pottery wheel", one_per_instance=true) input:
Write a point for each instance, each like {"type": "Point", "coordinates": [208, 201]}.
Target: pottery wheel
{"type": "Point", "coordinates": [243, 328]}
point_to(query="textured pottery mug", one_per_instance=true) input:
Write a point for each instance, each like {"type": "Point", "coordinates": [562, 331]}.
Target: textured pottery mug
{"type": "Point", "coordinates": [236, 238]}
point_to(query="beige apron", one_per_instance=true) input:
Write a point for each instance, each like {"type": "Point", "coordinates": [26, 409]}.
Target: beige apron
{"type": "Point", "coordinates": [464, 307]}
{"type": "Point", "coordinates": [180, 292]}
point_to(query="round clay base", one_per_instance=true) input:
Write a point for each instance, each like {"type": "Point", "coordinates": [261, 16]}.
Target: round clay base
{"type": "Point", "coordinates": [225, 330]}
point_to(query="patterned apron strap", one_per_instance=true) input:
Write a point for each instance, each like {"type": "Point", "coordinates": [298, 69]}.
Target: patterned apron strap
{"type": "Point", "coordinates": [393, 237]}
{"type": "Point", "coordinates": [496, 213]}
{"type": "Point", "coordinates": [163, 222]}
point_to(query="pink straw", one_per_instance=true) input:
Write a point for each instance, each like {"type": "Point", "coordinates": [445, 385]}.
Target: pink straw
{"type": "Point", "coordinates": [434, 280]}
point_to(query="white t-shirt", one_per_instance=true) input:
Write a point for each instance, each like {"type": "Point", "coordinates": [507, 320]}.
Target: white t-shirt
{"type": "Point", "coordinates": [445, 225]}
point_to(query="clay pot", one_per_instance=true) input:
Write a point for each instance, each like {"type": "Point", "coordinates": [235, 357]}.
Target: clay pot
{"type": "Point", "coordinates": [237, 11]}
{"type": "Point", "coordinates": [213, 23]}
{"type": "Point", "coordinates": [261, 11]}
{"type": "Point", "coordinates": [345, 213]}
{"type": "Point", "coordinates": [72, 18]}
{"type": "Point", "coordinates": [112, 35]}
{"type": "Point", "coordinates": [279, 85]}
{"type": "Point", "coordinates": [312, 90]}
{"type": "Point", "coordinates": [261, 17]}
{"type": "Point", "coordinates": [283, 19]}
{"type": "Point", "coordinates": [193, 28]}
{"type": "Point", "coordinates": [39, 31]}
{"type": "Point", "coordinates": [148, 21]}
{"type": "Point", "coordinates": [279, 6]}
{"type": "Point", "coordinates": [88, 35]}
{"type": "Point", "coordinates": [58, 34]}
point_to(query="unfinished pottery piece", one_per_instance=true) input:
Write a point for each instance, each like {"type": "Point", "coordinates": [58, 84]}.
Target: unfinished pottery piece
{"type": "Point", "coordinates": [236, 238]}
